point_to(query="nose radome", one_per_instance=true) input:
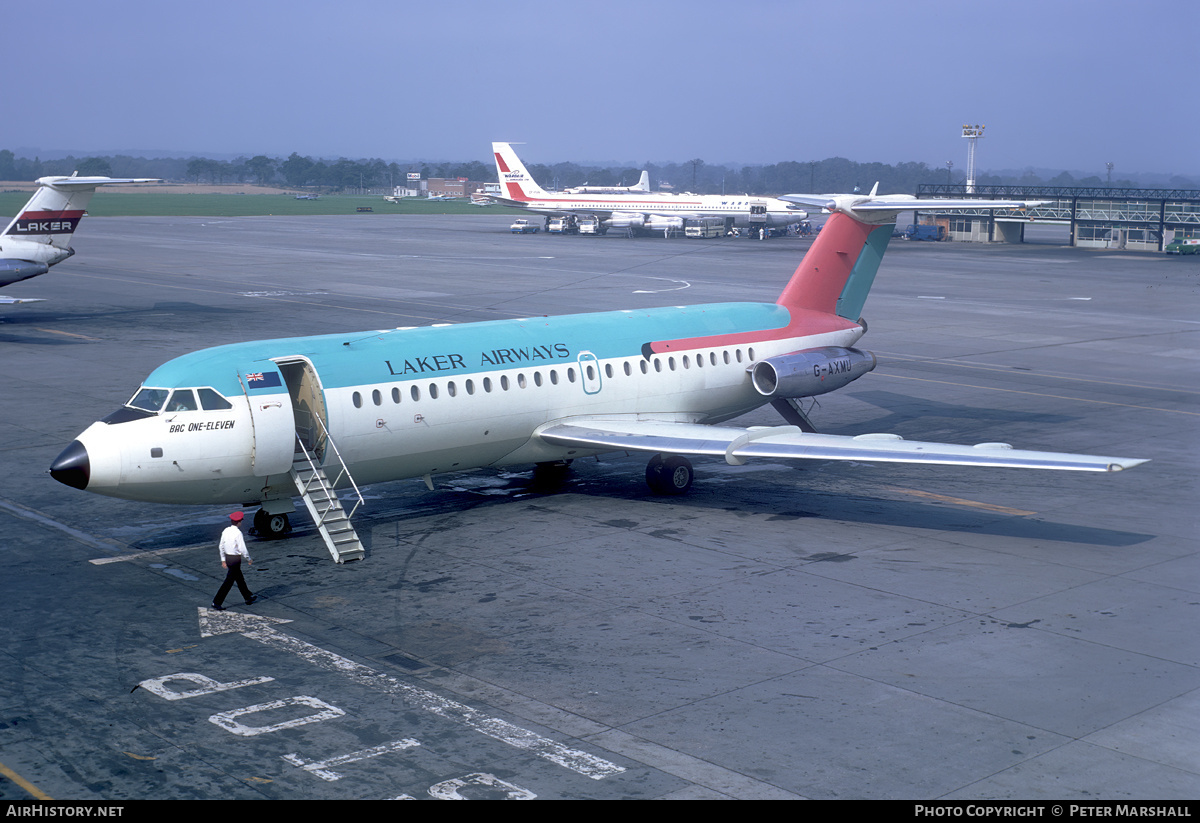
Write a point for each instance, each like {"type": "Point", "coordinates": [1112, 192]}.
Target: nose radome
{"type": "Point", "coordinates": [72, 467]}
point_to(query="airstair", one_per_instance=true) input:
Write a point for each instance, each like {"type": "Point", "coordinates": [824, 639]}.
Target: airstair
{"type": "Point", "coordinates": [322, 501]}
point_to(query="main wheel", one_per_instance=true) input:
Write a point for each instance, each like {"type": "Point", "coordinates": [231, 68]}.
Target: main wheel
{"type": "Point", "coordinates": [669, 475]}
{"type": "Point", "coordinates": [271, 526]}
{"type": "Point", "coordinates": [551, 475]}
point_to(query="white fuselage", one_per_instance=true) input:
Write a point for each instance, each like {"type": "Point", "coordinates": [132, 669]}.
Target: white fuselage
{"type": "Point", "coordinates": [742, 211]}
{"type": "Point", "coordinates": [412, 426]}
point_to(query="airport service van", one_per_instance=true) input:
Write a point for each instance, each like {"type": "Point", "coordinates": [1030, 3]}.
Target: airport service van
{"type": "Point", "coordinates": [1184, 245]}
{"type": "Point", "coordinates": [523, 226]}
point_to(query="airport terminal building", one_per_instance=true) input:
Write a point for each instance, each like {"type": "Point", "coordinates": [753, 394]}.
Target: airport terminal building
{"type": "Point", "coordinates": [1097, 217]}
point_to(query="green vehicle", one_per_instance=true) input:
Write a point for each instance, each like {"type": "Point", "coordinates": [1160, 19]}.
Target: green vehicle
{"type": "Point", "coordinates": [1184, 245]}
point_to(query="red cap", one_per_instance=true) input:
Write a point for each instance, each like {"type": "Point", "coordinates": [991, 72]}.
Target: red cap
{"type": "Point", "coordinates": [236, 517]}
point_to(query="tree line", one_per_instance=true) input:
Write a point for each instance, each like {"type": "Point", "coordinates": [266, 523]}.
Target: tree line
{"type": "Point", "coordinates": [835, 174]}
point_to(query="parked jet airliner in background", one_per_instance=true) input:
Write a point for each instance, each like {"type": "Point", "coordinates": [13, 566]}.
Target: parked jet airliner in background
{"type": "Point", "coordinates": [640, 187]}
{"type": "Point", "coordinates": [40, 235]}
{"type": "Point", "coordinates": [249, 423]}
{"type": "Point", "coordinates": [650, 211]}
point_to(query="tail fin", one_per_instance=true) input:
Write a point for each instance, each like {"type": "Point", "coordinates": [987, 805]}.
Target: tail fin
{"type": "Point", "coordinates": [53, 213]}
{"type": "Point", "coordinates": [839, 269]}
{"type": "Point", "coordinates": [517, 183]}
{"type": "Point", "coordinates": [643, 183]}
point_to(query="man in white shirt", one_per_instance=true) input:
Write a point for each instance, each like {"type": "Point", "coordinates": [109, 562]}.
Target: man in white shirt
{"type": "Point", "coordinates": [233, 549]}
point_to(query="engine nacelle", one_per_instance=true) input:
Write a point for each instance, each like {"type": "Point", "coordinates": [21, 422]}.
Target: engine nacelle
{"type": "Point", "coordinates": [810, 372]}
{"type": "Point", "coordinates": [659, 222]}
{"type": "Point", "coordinates": [13, 270]}
{"type": "Point", "coordinates": [621, 220]}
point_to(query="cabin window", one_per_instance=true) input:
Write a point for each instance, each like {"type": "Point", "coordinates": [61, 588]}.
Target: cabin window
{"type": "Point", "coordinates": [487, 384]}
{"type": "Point", "coordinates": [685, 362]}
{"type": "Point", "coordinates": [433, 391]}
{"type": "Point", "coordinates": [591, 372]}
{"type": "Point", "coordinates": [395, 394]}
{"type": "Point", "coordinates": [377, 397]}
{"type": "Point", "coordinates": [212, 401]}
{"type": "Point", "coordinates": [451, 389]}
{"type": "Point", "coordinates": [628, 369]}
{"type": "Point", "coordinates": [357, 398]}
{"type": "Point", "coordinates": [739, 355]}
{"type": "Point", "coordinates": [470, 384]}
{"type": "Point", "coordinates": [642, 364]}
{"type": "Point", "coordinates": [504, 382]}
{"type": "Point", "coordinates": [149, 399]}
{"type": "Point", "coordinates": [571, 375]}
{"type": "Point", "coordinates": [537, 378]}
{"type": "Point", "coordinates": [554, 377]}
{"type": "Point", "coordinates": [521, 380]}
{"type": "Point", "coordinates": [750, 353]}
{"type": "Point", "coordinates": [699, 361]}
{"type": "Point", "coordinates": [415, 392]}
{"type": "Point", "coordinates": [657, 364]}
{"type": "Point", "coordinates": [712, 358]}
{"type": "Point", "coordinates": [671, 363]}
{"type": "Point", "coordinates": [725, 354]}
{"type": "Point", "coordinates": [608, 370]}
{"type": "Point", "coordinates": [182, 400]}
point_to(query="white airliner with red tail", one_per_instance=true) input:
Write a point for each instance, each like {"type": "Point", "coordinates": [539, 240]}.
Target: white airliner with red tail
{"type": "Point", "coordinates": [260, 423]}
{"type": "Point", "coordinates": [638, 211]}
{"type": "Point", "coordinates": [40, 235]}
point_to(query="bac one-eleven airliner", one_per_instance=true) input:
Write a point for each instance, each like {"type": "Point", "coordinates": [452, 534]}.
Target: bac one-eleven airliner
{"type": "Point", "coordinates": [249, 423]}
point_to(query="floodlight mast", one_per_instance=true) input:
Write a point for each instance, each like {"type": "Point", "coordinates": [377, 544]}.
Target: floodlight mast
{"type": "Point", "coordinates": [972, 134]}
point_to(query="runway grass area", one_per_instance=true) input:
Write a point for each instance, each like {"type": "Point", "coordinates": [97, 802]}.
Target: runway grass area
{"type": "Point", "coordinates": [151, 204]}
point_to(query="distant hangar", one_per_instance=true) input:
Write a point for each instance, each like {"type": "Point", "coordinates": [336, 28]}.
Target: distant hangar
{"type": "Point", "coordinates": [1098, 217]}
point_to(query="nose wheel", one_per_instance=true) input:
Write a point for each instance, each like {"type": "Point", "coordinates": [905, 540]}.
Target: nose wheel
{"type": "Point", "coordinates": [271, 526]}
{"type": "Point", "coordinates": [669, 475]}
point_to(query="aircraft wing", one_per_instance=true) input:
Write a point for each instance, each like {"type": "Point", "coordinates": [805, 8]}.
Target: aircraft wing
{"type": "Point", "coordinates": [902, 202]}
{"type": "Point", "coordinates": [9, 301]}
{"type": "Point", "coordinates": [638, 433]}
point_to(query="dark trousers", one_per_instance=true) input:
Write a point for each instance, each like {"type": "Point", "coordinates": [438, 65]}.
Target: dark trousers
{"type": "Point", "coordinates": [233, 575]}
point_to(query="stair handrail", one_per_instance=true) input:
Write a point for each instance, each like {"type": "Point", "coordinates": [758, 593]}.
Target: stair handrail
{"type": "Point", "coordinates": [345, 472]}
{"type": "Point", "coordinates": [319, 477]}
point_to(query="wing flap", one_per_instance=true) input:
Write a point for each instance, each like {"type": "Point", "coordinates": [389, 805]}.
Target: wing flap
{"type": "Point", "coordinates": [737, 445]}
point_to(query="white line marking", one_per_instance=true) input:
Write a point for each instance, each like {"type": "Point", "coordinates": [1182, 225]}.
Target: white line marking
{"type": "Point", "coordinates": [686, 285]}
{"type": "Point", "coordinates": [259, 628]}
{"type": "Point", "coordinates": [322, 768]}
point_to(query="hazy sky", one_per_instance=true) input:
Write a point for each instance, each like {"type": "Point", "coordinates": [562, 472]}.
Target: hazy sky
{"type": "Point", "coordinates": [1058, 84]}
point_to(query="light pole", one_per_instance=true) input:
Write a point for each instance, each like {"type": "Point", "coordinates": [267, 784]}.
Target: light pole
{"type": "Point", "coordinates": [972, 134]}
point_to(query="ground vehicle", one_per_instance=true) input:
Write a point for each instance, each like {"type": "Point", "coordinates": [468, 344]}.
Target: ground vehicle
{"type": "Point", "coordinates": [703, 227]}
{"type": "Point", "coordinates": [523, 226]}
{"type": "Point", "coordinates": [592, 225]}
{"type": "Point", "coordinates": [1184, 245]}
{"type": "Point", "coordinates": [563, 225]}
{"type": "Point", "coordinates": [915, 232]}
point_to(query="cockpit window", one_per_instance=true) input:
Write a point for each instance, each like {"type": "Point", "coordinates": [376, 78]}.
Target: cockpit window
{"type": "Point", "coordinates": [182, 400]}
{"type": "Point", "coordinates": [211, 401]}
{"type": "Point", "coordinates": [149, 399]}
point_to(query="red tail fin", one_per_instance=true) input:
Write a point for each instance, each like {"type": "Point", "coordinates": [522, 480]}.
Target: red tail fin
{"type": "Point", "coordinates": [839, 268]}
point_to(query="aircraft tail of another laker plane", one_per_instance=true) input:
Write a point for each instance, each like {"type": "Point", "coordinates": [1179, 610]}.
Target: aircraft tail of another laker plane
{"type": "Point", "coordinates": [55, 209]}
{"type": "Point", "coordinates": [40, 235]}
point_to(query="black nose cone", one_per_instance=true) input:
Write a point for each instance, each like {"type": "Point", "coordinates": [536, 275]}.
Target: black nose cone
{"type": "Point", "coordinates": [72, 466]}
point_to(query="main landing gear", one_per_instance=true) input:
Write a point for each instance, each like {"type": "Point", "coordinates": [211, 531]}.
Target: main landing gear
{"type": "Point", "coordinates": [669, 475]}
{"type": "Point", "coordinates": [271, 526]}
